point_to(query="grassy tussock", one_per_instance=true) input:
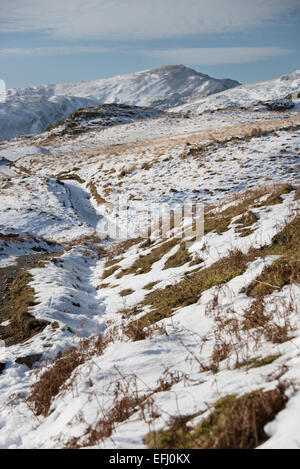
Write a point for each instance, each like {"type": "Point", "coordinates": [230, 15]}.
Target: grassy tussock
{"type": "Point", "coordinates": [219, 222]}
{"type": "Point", "coordinates": [69, 176]}
{"type": "Point", "coordinates": [275, 197]}
{"type": "Point", "coordinates": [258, 362]}
{"type": "Point", "coordinates": [126, 402]}
{"type": "Point", "coordinates": [138, 330]}
{"type": "Point", "coordinates": [110, 271]}
{"type": "Point", "coordinates": [245, 222]}
{"type": "Point", "coordinates": [144, 263]}
{"type": "Point", "coordinates": [18, 300]}
{"type": "Point", "coordinates": [181, 257]}
{"type": "Point", "coordinates": [115, 250]}
{"type": "Point", "coordinates": [234, 423]}
{"type": "Point", "coordinates": [126, 292]}
{"type": "Point", "coordinates": [100, 200]}
{"type": "Point", "coordinates": [189, 290]}
{"type": "Point", "coordinates": [112, 262]}
{"type": "Point", "coordinates": [54, 379]}
{"type": "Point", "coordinates": [286, 241]}
{"type": "Point", "coordinates": [150, 285]}
{"type": "Point", "coordinates": [284, 271]}
{"type": "Point", "coordinates": [51, 381]}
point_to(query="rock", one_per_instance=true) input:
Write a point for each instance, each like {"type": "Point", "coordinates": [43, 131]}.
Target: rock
{"type": "Point", "coordinates": [29, 360]}
{"type": "Point", "coordinates": [279, 105]}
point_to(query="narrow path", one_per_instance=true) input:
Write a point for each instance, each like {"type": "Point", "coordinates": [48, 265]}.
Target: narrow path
{"type": "Point", "coordinates": [80, 202]}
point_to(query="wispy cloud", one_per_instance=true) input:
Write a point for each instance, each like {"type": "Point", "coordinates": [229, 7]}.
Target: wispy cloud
{"type": "Point", "coordinates": [54, 50]}
{"type": "Point", "coordinates": [188, 56]}
{"type": "Point", "coordinates": [217, 55]}
{"type": "Point", "coordinates": [137, 19]}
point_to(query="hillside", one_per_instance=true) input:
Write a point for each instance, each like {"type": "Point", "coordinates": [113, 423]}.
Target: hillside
{"type": "Point", "coordinates": [32, 110]}
{"type": "Point", "coordinates": [250, 95]}
{"type": "Point", "coordinates": [185, 335]}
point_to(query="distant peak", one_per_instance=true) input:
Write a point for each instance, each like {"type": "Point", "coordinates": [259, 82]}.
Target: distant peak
{"type": "Point", "coordinates": [170, 68]}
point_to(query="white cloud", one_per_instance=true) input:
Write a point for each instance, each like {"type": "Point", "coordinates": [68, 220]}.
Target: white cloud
{"type": "Point", "coordinates": [217, 56]}
{"type": "Point", "coordinates": [52, 50]}
{"type": "Point", "coordinates": [137, 19]}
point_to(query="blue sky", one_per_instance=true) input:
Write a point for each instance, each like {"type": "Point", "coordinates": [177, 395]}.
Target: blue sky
{"type": "Point", "coordinates": [72, 40]}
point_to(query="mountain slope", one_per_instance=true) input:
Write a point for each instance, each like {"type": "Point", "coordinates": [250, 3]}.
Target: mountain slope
{"type": "Point", "coordinates": [101, 116]}
{"type": "Point", "coordinates": [33, 109]}
{"type": "Point", "coordinates": [286, 86]}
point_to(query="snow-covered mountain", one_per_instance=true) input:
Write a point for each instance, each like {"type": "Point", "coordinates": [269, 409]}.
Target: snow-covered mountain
{"type": "Point", "coordinates": [33, 109]}
{"type": "Point", "coordinates": [251, 94]}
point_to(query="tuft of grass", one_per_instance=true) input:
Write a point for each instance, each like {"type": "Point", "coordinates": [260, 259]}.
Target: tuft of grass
{"type": "Point", "coordinates": [100, 200]}
{"type": "Point", "coordinates": [102, 285]}
{"type": "Point", "coordinates": [52, 380]}
{"type": "Point", "coordinates": [69, 176]}
{"type": "Point", "coordinates": [144, 263]}
{"type": "Point", "coordinates": [126, 402]}
{"type": "Point", "coordinates": [219, 222]}
{"type": "Point", "coordinates": [146, 165]}
{"type": "Point", "coordinates": [150, 285]}
{"type": "Point", "coordinates": [139, 330]}
{"type": "Point", "coordinates": [275, 197]}
{"type": "Point", "coordinates": [57, 377]}
{"type": "Point", "coordinates": [19, 298]}
{"type": "Point", "coordinates": [189, 290]}
{"type": "Point", "coordinates": [109, 263]}
{"type": "Point", "coordinates": [109, 272]}
{"type": "Point", "coordinates": [181, 257]}
{"type": "Point", "coordinates": [234, 423]}
{"type": "Point", "coordinates": [115, 250]}
{"type": "Point", "coordinates": [258, 362]}
{"type": "Point", "coordinates": [297, 194]}
{"type": "Point", "coordinates": [286, 241]}
{"type": "Point", "coordinates": [285, 270]}
{"type": "Point", "coordinates": [126, 292]}
{"type": "Point", "coordinates": [245, 223]}
{"type": "Point", "coordinates": [281, 272]}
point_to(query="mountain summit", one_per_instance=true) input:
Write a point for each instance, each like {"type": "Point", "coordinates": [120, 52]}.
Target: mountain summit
{"type": "Point", "coordinates": [33, 109]}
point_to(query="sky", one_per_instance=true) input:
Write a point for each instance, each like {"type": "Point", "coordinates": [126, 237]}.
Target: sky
{"type": "Point", "coordinates": [60, 41]}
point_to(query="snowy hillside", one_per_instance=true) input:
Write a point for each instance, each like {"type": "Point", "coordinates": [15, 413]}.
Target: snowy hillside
{"type": "Point", "coordinates": [101, 116]}
{"type": "Point", "coordinates": [113, 335]}
{"type": "Point", "coordinates": [286, 86]}
{"type": "Point", "coordinates": [32, 110]}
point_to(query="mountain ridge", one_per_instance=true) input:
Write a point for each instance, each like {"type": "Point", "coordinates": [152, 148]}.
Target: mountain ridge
{"type": "Point", "coordinates": [248, 94]}
{"type": "Point", "coordinates": [33, 109]}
